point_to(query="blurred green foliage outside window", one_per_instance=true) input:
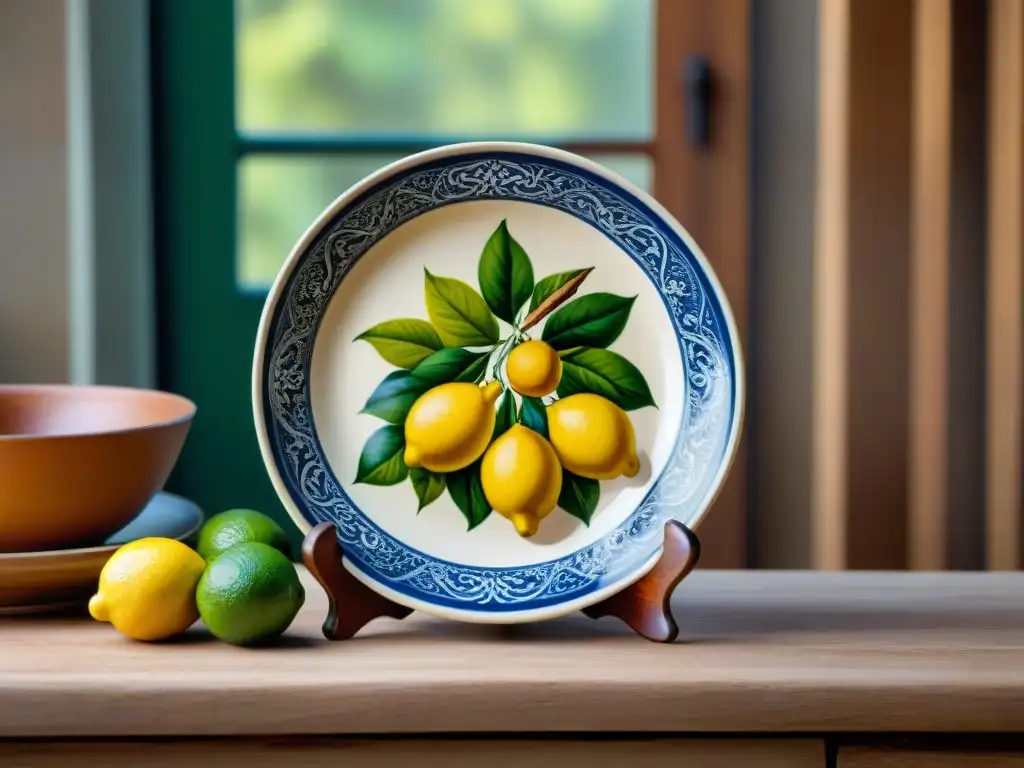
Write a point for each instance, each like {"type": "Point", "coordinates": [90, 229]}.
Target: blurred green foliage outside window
{"type": "Point", "coordinates": [531, 70]}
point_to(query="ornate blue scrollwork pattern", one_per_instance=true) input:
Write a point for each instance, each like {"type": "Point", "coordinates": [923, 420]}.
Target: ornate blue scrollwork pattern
{"type": "Point", "coordinates": [695, 311]}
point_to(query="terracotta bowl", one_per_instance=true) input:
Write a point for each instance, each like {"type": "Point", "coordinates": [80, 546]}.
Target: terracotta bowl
{"type": "Point", "coordinates": [78, 463]}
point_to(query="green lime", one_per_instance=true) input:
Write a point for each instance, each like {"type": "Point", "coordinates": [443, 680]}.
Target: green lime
{"type": "Point", "coordinates": [223, 531]}
{"type": "Point", "coordinates": [249, 594]}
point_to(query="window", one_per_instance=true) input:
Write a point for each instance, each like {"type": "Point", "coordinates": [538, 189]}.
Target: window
{"type": "Point", "coordinates": [328, 91]}
{"type": "Point", "coordinates": [266, 110]}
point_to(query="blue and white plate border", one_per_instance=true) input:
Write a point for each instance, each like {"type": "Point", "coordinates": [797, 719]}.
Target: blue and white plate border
{"type": "Point", "coordinates": [302, 477]}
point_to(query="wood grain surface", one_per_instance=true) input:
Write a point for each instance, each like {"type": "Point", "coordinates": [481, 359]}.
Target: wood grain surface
{"type": "Point", "coordinates": [886, 758]}
{"type": "Point", "coordinates": [758, 652]}
{"type": "Point", "coordinates": [495, 753]}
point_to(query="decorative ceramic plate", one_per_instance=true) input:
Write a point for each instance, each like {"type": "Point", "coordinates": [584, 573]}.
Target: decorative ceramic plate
{"type": "Point", "coordinates": [31, 582]}
{"type": "Point", "coordinates": [498, 369]}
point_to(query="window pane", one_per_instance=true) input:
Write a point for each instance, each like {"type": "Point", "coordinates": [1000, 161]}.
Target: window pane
{"type": "Point", "coordinates": [280, 196]}
{"type": "Point", "coordinates": [486, 68]}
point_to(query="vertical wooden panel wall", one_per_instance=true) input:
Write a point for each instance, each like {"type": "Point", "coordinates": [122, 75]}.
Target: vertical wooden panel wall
{"type": "Point", "coordinates": [828, 463]}
{"type": "Point", "coordinates": [918, 387]}
{"type": "Point", "coordinates": [1005, 284]}
{"type": "Point", "coordinates": [905, 440]}
{"type": "Point", "coordinates": [929, 288]}
{"type": "Point", "coordinates": [947, 297]}
{"type": "Point", "coordinates": [965, 485]}
{"type": "Point", "coordinates": [859, 477]}
{"type": "Point", "coordinates": [784, 179]}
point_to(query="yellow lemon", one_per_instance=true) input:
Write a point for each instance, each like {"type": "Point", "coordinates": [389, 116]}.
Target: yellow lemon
{"type": "Point", "coordinates": [521, 478]}
{"type": "Point", "coordinates": [534, 369]}
{"type": "Point", "coordinates": [449, 426]}
{"type": "Point", "coordinates": [593, 437]}
{"type": "Point", "coordinates": [147, 589]}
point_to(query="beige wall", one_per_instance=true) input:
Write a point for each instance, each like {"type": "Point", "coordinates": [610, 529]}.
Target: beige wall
{"type": "Point", "coordinates": [76, 293]}
{"type": "Point", "coordinates": [33, 209]}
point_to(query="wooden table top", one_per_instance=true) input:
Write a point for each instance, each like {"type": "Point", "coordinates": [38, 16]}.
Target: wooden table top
{"type": "Point", "coordinates": [759, 651]}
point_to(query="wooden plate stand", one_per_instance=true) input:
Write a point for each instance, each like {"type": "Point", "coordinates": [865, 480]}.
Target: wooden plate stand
{"type": "Point", "coordinates": [644, 605]}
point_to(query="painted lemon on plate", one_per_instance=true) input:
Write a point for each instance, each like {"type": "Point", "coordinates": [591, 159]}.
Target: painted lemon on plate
{"type": "Point", "coordinates": [521, 478]}
{"type": "Point", "coordinates": [534, 369]}
{"type": "Point", "coordinates": [449, 426]}
{"type": "Point", "coordinates": [593, 437]}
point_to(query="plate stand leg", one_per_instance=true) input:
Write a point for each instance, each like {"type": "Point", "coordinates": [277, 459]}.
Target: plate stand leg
{"type": "Point", "coordinates": [353, 605]}
{"type": "Point", "coordinates": [645, 605]}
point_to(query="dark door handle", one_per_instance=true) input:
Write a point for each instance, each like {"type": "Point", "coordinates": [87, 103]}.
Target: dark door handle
{"type": "Point", "coordinates": [696, 79]}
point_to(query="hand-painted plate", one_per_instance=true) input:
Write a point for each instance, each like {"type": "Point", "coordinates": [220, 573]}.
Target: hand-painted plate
{"type": "Point", "coordinates": [402, 303]}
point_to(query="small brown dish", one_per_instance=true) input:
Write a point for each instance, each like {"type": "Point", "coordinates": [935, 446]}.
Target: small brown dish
{"type": "Point", "coordinates": [43, 582]}
{"type": "Point", "coordinates": [77, 463]}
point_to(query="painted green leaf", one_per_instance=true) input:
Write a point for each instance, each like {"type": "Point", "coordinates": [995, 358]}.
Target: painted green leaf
{"type": "Point", "coordinates": [506, 415]}
{"type": "Point", "coordinates": [393, 397]}
{"type": "Point", "coordinates": [404, 342]}
{"type": "Point", "coordinates": [428, 486]}
{"type": "Point", "coordinates": [382, 462]}
{"type": "Point", "coordinates": [451, 364]}
{"type": "Point", "coordinates": [535, 415]}
{"type": "Point", "coordinates": [467, 492]}
{"type": "Point", "coordinates": [604, 373]}
{"type": "Point", "coordinates": [505, 274]}
{"type": "Point", "coordinates": [459, 313]}
{"type": "Point", "coordinates": [579, 496]}
{"type": "Point", "coordinates": [552, 283]}
{"type": "Point", "coordinates": [594, 320]}
{"type": "Point", "coordinates": [476, 370]}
